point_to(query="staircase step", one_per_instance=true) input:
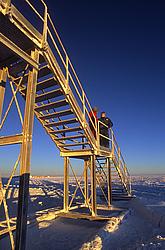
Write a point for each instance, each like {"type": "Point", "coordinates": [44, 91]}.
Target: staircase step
{"type": "Point", "coordinates": [62, 122]}
{"type": "Point", "coordinates": [71, 137]}
{"type": "Point", "coordinates": [44, 71]}
{"type": "Point", "coordinates": [60, 131]}
{"type": "Point", "coordinates": [49, 95]}
{"type": "Point", "coordinates": [74, 144]}
{"type": "Point", "coordinates": [56, 114]}
{"type": "Point", "coordinates": [52, 105]}
{"type": "Point", "coordinates": [46, 83]}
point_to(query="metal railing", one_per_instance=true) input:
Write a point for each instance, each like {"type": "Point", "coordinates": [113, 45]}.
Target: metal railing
{"type": "Point", "coordinates": [51, 39]}
{"type": "Point", "coordinates": [117, 156]}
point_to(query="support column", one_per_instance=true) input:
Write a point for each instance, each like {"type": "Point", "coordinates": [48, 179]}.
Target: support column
{"type": "Point", "coordinates": [66, 183]}
{"type": "Point", "coordinates": [109, 182]}
{"type": "Point", "coordinates": [3, 79]}
{"type": "Point", "coordinates": [93, 185]}
{"type": "Point", "coordinates": [86, 182]}
{"type": "Point", "coordinates": [21, 226]}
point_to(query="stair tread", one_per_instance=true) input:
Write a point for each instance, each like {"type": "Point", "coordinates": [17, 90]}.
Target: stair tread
{"type": "Point", "coordinates": [74, 144]}
{"type": "Point", "coordinates": [65, 130]}
{"type": "Point", "coordinates": [49, 95]}
{"type": "Point", "coordinates": [56, 114]}
{"type": "Point", "coordinates": [71, 137]}
{"type": "Point", "coordinates": [47, 83]}
{"type": "Point", "coordinates": [62, 122]}
{"type": "Point", "coordinates": [43, 71]}
{"type": "Point", "coordinates": [51, 105]}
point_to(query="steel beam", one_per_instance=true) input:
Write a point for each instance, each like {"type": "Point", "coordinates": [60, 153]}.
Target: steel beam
{"type": "Point", "coordinates": [19, 52]}
{"type": "Point", "coordinates": [25, 157]}
{"type": "Point", "coordinates": [3, 79]}
{"type": "Point", "coordinates": [83, 153]}
{"type": "Point", "coordinates": [93, 185]}
{"type": "Point", "coordinates": [109, 182]}
{"type": "Point", "coordinates": [10, 140]}
{"type": "Point", "coordinates": [66, 183]}
{"type": "Point", "coordinates": [86, 182]}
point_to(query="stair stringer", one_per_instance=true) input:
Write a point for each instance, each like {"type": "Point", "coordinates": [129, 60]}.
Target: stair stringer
{"type": "Point", "coordinates": [120, 175]}
{"type": "Point", "coordinates": [52, 62]}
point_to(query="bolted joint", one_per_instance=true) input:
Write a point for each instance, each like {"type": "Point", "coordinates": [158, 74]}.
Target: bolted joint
{"type": "Point", "coordinates": [84, 124]}
{"type": "Point", "coordinates": [27, 137]}
{"type": "Point", "coordinates": [44, 46]}
{"type": "Point", "coordinates": [7, 9]}
{"type": "Point", "coordinates": [67, 90]}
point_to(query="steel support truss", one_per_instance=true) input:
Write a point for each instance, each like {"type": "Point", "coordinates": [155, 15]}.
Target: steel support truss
{"type": "Point", "coordinates": [89, 184]}
{"type": "Point", "coordinates": [81, 199]}
{"type": "Point", "coordinates": [24, 138]}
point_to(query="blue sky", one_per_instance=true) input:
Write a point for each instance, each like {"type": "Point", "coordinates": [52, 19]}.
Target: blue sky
{"type": "Point", "coordinates": [118, 50]}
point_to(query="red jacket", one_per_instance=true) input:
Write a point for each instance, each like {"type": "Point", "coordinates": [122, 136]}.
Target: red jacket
{"type": "Point", "coordinates": [93, 115]}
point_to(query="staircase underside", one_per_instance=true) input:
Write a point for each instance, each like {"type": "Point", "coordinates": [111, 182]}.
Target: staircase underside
{"type": "Point", "coordinates": [18, 38]}
{"type": "Point", "coordinates": [14, 34]}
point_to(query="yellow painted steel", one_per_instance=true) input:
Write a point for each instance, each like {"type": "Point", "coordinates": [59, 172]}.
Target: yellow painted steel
{"type": "Point", "coordinates": [46, 53]}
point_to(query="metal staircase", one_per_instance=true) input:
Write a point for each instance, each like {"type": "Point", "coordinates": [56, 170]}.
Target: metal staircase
{"type": "Point", "coordinates": [38, 67]}
{"type": "Point", "coordinates": [54, 110]}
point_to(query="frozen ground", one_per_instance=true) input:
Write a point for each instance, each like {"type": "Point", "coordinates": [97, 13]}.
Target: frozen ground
{"type": "Point", "coordinates": [142, 228]}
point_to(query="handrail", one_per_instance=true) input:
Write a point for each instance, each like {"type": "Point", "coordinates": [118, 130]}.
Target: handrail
{"type": "Point", "coordinates": [74, 73]}
{"type": "Point", "coordinates": [118, 156]}
{"type": "Point", "coordinates": [51, 38]}
{"type": "Point", "coordinates": [70, 72]}
{"type": "Point", "coordinates": [37, 13]}
{"type": "Point", "coordinates": [84, 98]}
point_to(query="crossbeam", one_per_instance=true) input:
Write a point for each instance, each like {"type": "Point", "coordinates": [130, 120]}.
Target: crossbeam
{"type": "Point", "coordinates": [10, 140]}
{"type": "Point", "coordinates": [19, 52]}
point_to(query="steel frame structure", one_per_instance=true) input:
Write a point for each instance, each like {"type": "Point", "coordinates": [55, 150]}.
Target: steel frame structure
{"type": "Point", "coordinates": [25, 139]}
{"type": "Point", "coordinates": [88, 184]}
{"type": "Point", "coordinates": [43, 55]}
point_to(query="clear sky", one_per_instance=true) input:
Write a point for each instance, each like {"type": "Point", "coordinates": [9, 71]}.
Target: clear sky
{"type": "Point", "coordinates": [118, 50]}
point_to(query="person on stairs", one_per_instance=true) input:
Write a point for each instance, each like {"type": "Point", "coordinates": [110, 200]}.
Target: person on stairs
{"type": "Point", "coordinates": [104, 126]}
{"type": "Point", "coordinates": [93, 120]}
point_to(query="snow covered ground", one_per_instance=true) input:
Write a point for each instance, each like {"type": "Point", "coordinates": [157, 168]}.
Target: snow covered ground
{"type": "Point", "coordinates": [143, 226]}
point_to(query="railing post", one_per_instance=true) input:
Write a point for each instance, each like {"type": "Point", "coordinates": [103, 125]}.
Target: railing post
{"type": "Point", "coordinates": [109, 182]}
{"type": "Point", "coordinates": [93, 185]}
{"type": "Point", "coordinates": [86, 181]}
{"type": "Point", "coordinates": [66, 184]}
{"type": "Point", "coordinates": [125, 173]}
{"type": "Point", "coordinates": [3, 79]}
{"type": "Point", "coordinates": [113, 148]}
{"type": "Point", "coordinates": [67, 70]}
{"type": "Point", "coordinates": [45, 27]}
{"type": "Point", "coordinates": [130, 188]}
{"type": "Point", "coordinates": [125, 169]}
{"type": "Point", "coordinates": [98, 133]}
{"type": "Point", "coordinates": [83, 99]}
{"type": "Point", "coordinates": [119, 157]}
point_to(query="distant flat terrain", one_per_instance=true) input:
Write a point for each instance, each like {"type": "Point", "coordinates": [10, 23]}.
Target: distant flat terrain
{"type": "Point", "coordinates": [142, 228]}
